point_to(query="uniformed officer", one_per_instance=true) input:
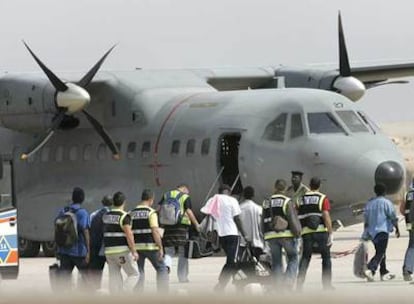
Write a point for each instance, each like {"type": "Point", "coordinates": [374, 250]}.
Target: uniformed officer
{"type": "Point", "coordinates": [281, 227]}
{"type": "Point", "coordinates": [148, 240]}
{"type": "Point", "coordinates": [119, 245]}
{"type": "Point", "coordinates": [297, 189]}
{"type": "Point", "coordinates": [405, 208]}
{"type": "Point", "coordinates": [313, 213]}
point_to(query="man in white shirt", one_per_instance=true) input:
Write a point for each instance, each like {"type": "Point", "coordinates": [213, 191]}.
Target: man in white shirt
{"type": "Point", "coordinates": [251, 219]}
{"type": "Point", "coordinates": [228, 226]}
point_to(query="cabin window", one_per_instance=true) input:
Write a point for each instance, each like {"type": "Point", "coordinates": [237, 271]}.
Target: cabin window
{"type": "Point", "coordinates": [101, 152]}
{"type": "Point", "coordinates": [132, 146]}
{"type": "Point", "coordinates": [190, 147]}
{"type": "Point", "coordinates": [275, 131]}
{"type": "Point", "coordinates": [324, 123]}
{"type": "Point", "coordinates": [59, 154]}
{"type": "Point", "coordinates": [373, 126]}
{"type": "Point", "coordinates": [87, 152]}
{"type": "Point", "coordinates": [44, 155]}
{"type": "Point", "coordinates": [296, 127]}
{"type": "Point", "coordinates": [352, 121]}
{"type": "Point", "coordinates": [73, 153]}
{"type": "Point", "coordinates": [175, 147]}
{"type": "Point", "coordinates": [146, 149]}
{"type": "Point", "coordinates": [205, 146]}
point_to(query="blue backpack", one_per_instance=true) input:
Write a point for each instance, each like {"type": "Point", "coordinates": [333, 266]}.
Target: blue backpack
{"type": "Point", "coordinates": [170, 210]}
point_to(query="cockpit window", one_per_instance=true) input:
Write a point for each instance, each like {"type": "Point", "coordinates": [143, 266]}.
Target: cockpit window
{"type": "Point", "coordinates": [296, 128]}
{"type": "Point", "coordinates": [352, 121]}
{"type": "Point", "coordinates": [374, 127]}
{"type": "Point", "coordinates": [320, 123]}
{"type": "Point", "coordinates": [275, 131]}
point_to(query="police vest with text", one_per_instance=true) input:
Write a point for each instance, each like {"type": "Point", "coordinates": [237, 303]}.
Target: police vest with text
{"type": "Point", "coordinates": [310, 212]}
{"type": "Point", "coordinates": [181, 198]}
{"type": "Point", "coordinates": [409, 198]}
{"type": "Point", "coordinates": [276, 206]}
{"type": "Point", "coordinates": [114, 237]}
{"type": "Point", "coordinates": [141, 228]}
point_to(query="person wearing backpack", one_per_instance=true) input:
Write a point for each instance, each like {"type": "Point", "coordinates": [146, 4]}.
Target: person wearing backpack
{"type": "Point", "coordinates": [119, 245]}
{"type": "Point", "coordinates": [97, 256]}
{"type": "Point", "coordinates": [72, 239]}
{"type": "Point", "coordinates": [176, 217]}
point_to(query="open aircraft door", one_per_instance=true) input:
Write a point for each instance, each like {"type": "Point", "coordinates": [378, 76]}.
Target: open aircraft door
{"type": "Point", "coordinates": [9, 256]}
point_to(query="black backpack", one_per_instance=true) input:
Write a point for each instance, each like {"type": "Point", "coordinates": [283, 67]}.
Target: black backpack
{"type": "Point", "coordinates": [66, 228]}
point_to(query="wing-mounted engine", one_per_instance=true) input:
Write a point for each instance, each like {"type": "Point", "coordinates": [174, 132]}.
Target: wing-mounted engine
{"type": "Point", "coordinates": [340, 81]}
{"type": "Point", "coordinates": [29, 103]}
{"type": "Point", "coordinates": [47, 105]}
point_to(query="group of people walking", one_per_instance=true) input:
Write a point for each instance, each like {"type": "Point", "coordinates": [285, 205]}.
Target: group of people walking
{"type": "Point", "coordinates": [289, 217]}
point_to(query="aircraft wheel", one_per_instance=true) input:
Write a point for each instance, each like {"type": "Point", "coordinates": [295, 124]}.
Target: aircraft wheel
{"type": "Point", "coordinates": [28, 249]}
{"type": "Point", "coordinates": [49, 249]}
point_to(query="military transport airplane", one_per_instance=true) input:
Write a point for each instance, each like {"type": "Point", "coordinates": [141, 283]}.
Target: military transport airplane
{"type": "Point", "coordinates": [201, 126]}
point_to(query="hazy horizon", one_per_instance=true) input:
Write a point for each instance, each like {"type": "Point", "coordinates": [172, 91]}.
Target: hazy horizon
{"type": "Point", "coordinates": [72, 35]}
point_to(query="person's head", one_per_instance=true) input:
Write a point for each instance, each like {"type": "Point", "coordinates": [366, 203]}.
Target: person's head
{"type": "Point", "coordinates": [248, 192]}
{"type": "Point", "coordinates": [147, 196]}
{"type": "Point", "coordinates": [280, 186]}
{"type": "Point", "coordinates": [224, 189]}
{"type": "Point", "coordinates": [296, 178]}
{"type": "Point", "coordinates": [78, 195]}
{"type": "Point", "coordinates": [315, 183]}
{"type": "Point", "coordinates": [380, 189]}
{"type": "Point", "coordinates": [183, 188]}
{"type": "Point", "coordinates": [119, 199]}
{"type": "Point", "coordinates": [107, 201]}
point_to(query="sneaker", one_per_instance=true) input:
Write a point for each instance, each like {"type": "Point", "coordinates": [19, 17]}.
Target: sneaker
{"type": "Point", "coordinates": [407, 276]}
{"type": "Point", "coordinates": [369, 275]}
{"type": "Point", "coordinates": [387, 277]}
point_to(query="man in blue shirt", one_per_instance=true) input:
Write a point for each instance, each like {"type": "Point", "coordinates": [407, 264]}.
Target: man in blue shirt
{"type": "Point", "coordinates": [379, 220]}
{"type": "Point", "coordinates": [79, 253]}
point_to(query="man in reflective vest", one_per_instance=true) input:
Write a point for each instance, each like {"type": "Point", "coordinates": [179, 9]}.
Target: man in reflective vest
{"type": "Point", "coordinates": [282, 235]}
{"type": "Point", "coordinates": [148, 241]}
{"type": "Point", "coordinates": [119, 245]}
{"type": "Point", "coordinates": [405, 208]}
{"type": "Point", "coordinates": [176, 236]}
{"type": "Point", "coordinates": [313, 213]}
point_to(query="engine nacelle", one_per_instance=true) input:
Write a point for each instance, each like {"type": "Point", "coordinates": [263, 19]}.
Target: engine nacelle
{"type": "Point", "coordinates": [350, 86]}
{"type": "Point", "coordinates": [27, 102]}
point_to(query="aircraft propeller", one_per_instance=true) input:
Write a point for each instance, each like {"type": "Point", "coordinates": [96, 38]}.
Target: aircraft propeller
{"type": "Point", "coordinates": [71, 98]}
{"type": "Point", "coordinates": [345, 83]}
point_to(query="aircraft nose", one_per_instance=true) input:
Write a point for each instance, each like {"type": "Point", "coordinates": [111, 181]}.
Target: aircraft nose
{"type": "Point", "coordinates": [391, 174]}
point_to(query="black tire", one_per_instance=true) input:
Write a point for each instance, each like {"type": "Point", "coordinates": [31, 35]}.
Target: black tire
{"type": "Point", "coordinates": [49, 249]}
{"type": "Point", "coordinates": [28, 249]}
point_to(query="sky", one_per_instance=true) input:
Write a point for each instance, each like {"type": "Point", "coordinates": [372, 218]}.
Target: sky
{"type": "Point", "coordinates": [71, 35]}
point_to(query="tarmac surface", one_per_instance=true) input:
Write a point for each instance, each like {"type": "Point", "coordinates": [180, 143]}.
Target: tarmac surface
{"type": "Point", "coordinates": [33, 284]}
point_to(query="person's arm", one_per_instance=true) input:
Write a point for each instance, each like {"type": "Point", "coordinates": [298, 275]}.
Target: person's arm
{"type": "Point", "coordinates": [130, 240]}
{"type": "Point", "coordinates": [153, 220]}
{"type": "Point", "coordinates": [402, 207]}
{"type": "Point", "coordinates": [193, 219]}
{"type": "Point", "coordinates": [240, 226]}
{"type": "Point", "coordinates": [157, 238]}
{"type": "Point", "coordinates": [86, 234]}
{"type": "Point", "coordinates": [393, 217]}
{"type": "Point", "coordinates": [293, 220]}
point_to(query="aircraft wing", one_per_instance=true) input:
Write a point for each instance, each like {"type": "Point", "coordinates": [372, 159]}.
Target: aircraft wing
{"type": "Point", "coordinates": [372, 74]}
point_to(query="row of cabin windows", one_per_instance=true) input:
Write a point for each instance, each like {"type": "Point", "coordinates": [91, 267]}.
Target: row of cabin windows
{"type": "Point", "coordinates": [103, 152]}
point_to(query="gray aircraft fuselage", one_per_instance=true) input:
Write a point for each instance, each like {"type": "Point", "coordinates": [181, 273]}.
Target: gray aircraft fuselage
{"type": "Point", "coordinates": [172, 127]}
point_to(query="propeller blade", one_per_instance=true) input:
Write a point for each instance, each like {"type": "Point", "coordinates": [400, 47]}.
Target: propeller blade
{"type": "Point", "coordinates": [45, 138]}
{"type": "Point", "coordinates": [102, 132]}
{"type": "Point", "coordinates": [344, 67]}
{"type": "Point", "coordinates": [57, 83]}
{"type": "Point", "coordinates": [89, 76]}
